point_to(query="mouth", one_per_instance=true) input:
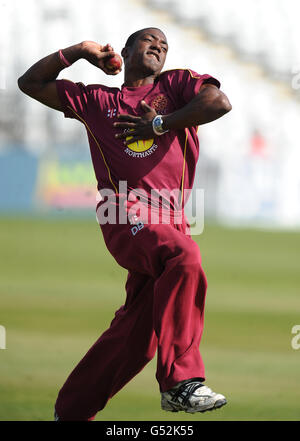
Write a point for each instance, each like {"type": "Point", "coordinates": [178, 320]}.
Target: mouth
{"type": "Point", "coordinates": [154, 54]}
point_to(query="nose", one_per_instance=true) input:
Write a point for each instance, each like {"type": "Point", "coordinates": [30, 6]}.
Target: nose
{"type": "Point", "coordinates": [156, 45]}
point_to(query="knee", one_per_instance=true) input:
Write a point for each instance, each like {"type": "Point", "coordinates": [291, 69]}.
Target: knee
{"type": "Point", "coordinates": [190, 266]}
{"type": "Point", "coordinates": [149, 355]}
{"type": "Point", "coordinates": [146, 352]}
{"type": "Point", "coordinates": [189, 255]}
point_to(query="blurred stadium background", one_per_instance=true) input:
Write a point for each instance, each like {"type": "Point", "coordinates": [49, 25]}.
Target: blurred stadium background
{"type": "Point", "coordinates": [59, 286]}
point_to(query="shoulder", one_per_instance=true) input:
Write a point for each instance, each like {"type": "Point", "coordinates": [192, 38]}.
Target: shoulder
{"type": "Point", "coordinates": [89, 88]}
{"type": "Point", "coordinates": [187, 77]}
{"type": "Point", "coordinates": [101, 88]}
{"type": "Point", "coordinates": [179, 73]}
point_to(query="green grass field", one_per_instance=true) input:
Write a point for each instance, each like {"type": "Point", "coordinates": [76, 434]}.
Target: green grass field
{"type": "Point", "coordinates": [59, 289]}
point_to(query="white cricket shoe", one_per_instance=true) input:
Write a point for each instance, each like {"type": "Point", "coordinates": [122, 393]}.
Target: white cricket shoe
{"type": "Point", "coordinates": [191, 396]}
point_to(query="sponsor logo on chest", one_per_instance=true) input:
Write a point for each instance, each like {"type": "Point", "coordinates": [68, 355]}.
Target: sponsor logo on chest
{"type": "Point", "coordinates": [144, 147]}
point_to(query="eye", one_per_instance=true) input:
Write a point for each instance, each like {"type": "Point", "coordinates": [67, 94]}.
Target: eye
{"type": "Point", "coordinates": [164, 49]}
{"type": "Point", "coordinates": [147, 39]}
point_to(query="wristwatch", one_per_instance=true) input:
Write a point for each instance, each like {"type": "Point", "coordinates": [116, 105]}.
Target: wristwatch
{"type": "Point", "coordinates": [157, 123]}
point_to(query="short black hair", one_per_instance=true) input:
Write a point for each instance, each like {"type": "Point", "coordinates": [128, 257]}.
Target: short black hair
{"type": "Point", "coordinates": [131, 39]}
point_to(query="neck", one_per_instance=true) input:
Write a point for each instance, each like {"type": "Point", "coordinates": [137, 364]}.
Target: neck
{"type": "Point", "coordinates": [137, 79]}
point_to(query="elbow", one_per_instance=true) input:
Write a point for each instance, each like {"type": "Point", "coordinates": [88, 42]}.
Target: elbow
{"type": "Point", "coordinates": [224, 104]}
{"type": "Point", "coordinates": [23, 85]}
{"type": "Point", "coordinates": [228, 107]}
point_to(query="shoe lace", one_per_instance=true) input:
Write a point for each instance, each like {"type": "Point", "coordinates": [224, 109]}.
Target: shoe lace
{"type": "Point", "coordinates": [184, 392]}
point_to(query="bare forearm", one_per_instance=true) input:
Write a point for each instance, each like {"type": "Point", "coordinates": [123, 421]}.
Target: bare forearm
{"type": "Point", "coordinates": [209, 105]}
{"type": "Point", "coordinates": [39, 80]}
{"type": "Point", "coordinates": [48, 68]}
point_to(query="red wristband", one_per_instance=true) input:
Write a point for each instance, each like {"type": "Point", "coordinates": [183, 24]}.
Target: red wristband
{"type": "Point", "coordinates": [63, 59]}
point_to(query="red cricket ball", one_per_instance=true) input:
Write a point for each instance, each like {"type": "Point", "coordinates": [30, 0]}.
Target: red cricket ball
{"type": "Point", "coordinates": [114, 63]}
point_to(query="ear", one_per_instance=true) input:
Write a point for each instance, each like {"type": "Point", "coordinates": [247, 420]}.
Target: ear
{"type": "Point", "coordinates": [124, 52]}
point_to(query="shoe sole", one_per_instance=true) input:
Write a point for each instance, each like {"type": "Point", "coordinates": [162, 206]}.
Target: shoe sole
{"type": "Point", "coordinates": [215, 406]}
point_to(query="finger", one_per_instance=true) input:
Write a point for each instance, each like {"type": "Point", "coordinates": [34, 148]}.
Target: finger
{"type": "Point", "coordinates": [125, 125]}
{"type": "Point", "coordinates": [146, 106]}
{"type": "Point", "coordinates": [124, 135]}
{"type": "Point", "coordinates": [113, 72]}
{"type": "Point", "coordinates": [107, 54]}
{"type": "Point", "coordinates": [126, 117]}
{"type": "Point", "coordinates": [131, 140]}
{"type": "Point", "coordinates": [106, 48]}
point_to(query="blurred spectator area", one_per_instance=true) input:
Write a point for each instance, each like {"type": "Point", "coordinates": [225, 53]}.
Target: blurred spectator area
{"type": "Point", "coordinates": [248, 159]}
{"type": "Point", "coordinates": [263, 31]}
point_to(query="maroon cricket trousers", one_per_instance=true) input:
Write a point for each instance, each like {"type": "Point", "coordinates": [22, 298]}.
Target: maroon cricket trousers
{"type": "Point", "coordinates": [163, 311]}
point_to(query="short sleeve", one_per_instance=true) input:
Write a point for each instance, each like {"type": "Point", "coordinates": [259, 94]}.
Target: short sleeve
{"type": "Point", "coordinates": [74, 98]}
{"type": "Point", "coordinates": [189, 83]}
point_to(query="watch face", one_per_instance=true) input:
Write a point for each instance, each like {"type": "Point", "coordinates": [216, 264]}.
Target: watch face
{"type": "Point", "coordinates": [157, 123]}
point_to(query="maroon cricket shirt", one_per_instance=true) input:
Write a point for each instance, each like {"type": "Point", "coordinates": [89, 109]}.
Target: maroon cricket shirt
{"type": "Point", "coordinates": [164, 162]}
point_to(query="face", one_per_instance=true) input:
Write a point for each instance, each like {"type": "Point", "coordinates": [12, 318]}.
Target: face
{"type": "Point", "coordinates": [148, 53]}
